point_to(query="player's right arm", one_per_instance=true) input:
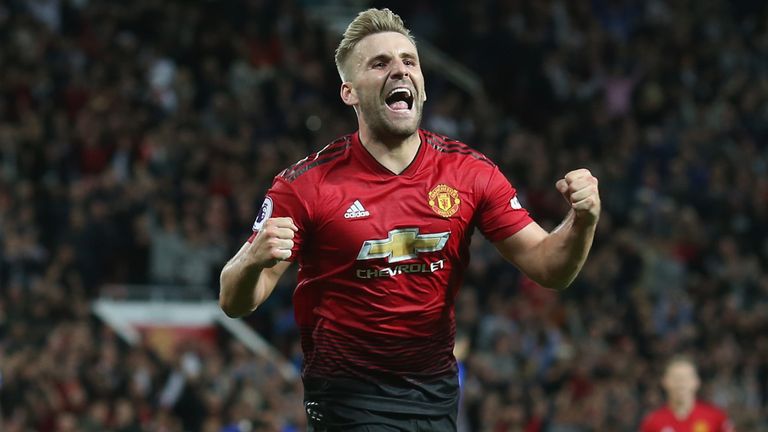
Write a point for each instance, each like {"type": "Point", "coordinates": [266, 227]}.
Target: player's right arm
{"type": "Point", "coordinates": [251, 275]}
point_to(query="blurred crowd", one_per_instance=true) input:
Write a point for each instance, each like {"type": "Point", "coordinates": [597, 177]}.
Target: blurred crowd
{"type": "Point", "coordinates": [137, 140]}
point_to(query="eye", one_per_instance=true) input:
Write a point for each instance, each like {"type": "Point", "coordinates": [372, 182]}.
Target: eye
{"type": "Point", "coordinates": [379, 65]}
{"type": "Point", "coordinates": [409, 62]}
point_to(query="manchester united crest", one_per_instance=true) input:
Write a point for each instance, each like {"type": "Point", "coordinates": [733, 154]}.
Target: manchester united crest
{"type": "Point", "coordinates": [701, 426]}
{"type": "Point", "coordinates": [444, 200]}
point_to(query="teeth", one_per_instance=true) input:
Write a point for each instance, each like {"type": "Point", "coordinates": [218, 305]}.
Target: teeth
{"type": "Point", "coordinates": [400, 90]}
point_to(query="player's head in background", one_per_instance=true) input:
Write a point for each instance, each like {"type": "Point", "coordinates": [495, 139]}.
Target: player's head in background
{"type": "Point", "coordinates": [680, 381]}
{"type": "Point", "coordinates": [381, 75]}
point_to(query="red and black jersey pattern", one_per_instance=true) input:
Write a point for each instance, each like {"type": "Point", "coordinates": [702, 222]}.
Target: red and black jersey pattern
{"type": "Point", "coordinates": [327, 154]}
{"type": "Point", "coordinates": [444, 144]}
{"type": "Point", "coordinates": [330, 353]}
{"type": "Point", "coordinates": [381, 257]}
{"type": "Point", "coordinates": [704, 417]}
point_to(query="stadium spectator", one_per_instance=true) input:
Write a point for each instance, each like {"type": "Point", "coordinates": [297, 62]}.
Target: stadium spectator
{"type": "Point", "coordinates": [682, 172]}
{"type": "Point", "coordinates": [683, 411]}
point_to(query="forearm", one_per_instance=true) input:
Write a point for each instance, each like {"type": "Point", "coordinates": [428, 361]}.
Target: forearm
{"type": "Point", "coordinates": [239, 282]}
{"type": "Point", "coordinates": [251, 275]}
{"type": "Point", "coordinates": [563, 252]}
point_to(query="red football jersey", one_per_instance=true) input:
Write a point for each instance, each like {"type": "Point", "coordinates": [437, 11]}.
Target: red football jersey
{"type": "Point", "coordinates": [381, 256]}
{"type": "Point", "coordinates": [702, 418]}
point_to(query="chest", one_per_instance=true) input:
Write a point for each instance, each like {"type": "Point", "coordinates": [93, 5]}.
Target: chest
{"type": "Point", "coordinates": [694, 423]}
{"type": "Point", "coordinates": [397, 218]}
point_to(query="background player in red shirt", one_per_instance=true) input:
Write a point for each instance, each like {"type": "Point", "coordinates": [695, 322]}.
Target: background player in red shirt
{"type": "Point", "coordinates": [683, 413]}
{"type": "Point", "coordinates": [380, 223]}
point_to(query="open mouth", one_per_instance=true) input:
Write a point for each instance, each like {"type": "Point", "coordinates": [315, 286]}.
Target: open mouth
{"type": "Point", "coordinates": [399, 99]}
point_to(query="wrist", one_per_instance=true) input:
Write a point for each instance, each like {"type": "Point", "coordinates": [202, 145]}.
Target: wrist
{"type": "Point", "coordinates": [585, 221]}
{"type": "Point", "coordinates": [251, 263]}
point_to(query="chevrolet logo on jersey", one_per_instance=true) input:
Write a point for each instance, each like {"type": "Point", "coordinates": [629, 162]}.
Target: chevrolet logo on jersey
{"type": "Point", "coordinates": [403, 244]}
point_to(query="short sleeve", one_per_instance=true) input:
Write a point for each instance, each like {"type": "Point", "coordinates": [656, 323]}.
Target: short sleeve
{"type": "Point", "coordinates": [500, 212]}
{"type": "Point", "coordinates": [283, 201]}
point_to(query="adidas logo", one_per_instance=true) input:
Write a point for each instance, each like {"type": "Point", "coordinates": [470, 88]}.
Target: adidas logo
{"type": "Point", "coordinates": [356, 210]}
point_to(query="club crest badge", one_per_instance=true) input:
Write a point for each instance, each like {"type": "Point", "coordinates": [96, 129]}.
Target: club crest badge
{"type": "Point", "coordinates": [701, 426]}
{"type": "Point", "coordinates": [444, 200]}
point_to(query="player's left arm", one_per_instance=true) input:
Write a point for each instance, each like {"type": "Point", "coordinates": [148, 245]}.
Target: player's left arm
{"type": "Point", "coordinates": [554, 259]}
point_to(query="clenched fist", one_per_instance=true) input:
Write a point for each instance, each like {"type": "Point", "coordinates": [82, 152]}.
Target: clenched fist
{"type": "Point", "coordinates": [579, 187]}
{"type": "Point", "coordinates": [273, 243]}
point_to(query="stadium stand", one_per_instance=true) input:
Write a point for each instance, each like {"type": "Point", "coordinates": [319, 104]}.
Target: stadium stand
{"type": "Point", "coordinates": [137, 139]}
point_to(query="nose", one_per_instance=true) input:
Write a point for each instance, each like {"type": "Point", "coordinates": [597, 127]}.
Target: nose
{"type": "Point", "coordinates": [399, 69]}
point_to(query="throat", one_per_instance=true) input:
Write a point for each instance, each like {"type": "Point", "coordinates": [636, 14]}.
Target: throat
{"type": "Point", "coordinates": [396, 156]}
{"type": "Point", "coordinates": [681, 410]}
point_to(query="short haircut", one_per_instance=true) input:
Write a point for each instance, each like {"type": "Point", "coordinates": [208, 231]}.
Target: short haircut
{"type": "Point", "coordinates": [366, 23]}
{"type": "Point", "coordinates": [679, 359]}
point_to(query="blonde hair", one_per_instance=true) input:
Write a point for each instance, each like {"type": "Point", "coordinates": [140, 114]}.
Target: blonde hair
{"type": "Point", "coordinates": [366, 23]}
{"type": "Point", "coordinates": [679, 359]}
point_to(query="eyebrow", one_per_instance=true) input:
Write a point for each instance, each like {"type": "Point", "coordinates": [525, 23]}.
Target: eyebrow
{"type": "Point", "coordinates": [384, 56]}
{"type": "Point", "coordinates": [379, 57]}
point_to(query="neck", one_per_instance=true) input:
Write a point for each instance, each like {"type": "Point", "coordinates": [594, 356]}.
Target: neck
{"type": "Point", "coordinates": [681, 408]}
{"type": "Point", "coordinates": [394, 153]}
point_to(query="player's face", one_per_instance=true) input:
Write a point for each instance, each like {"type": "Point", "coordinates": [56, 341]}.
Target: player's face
{"type": "Point", "coordinates": [389, 86]}
{"type": "Point", "coordinates": [681, 382]}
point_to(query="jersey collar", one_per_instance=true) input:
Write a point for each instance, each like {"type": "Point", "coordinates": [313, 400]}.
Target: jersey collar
{"type": "Point", "coordinates": [370, 162]}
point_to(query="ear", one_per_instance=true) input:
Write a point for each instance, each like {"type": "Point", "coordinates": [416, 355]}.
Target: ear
{"type": "Point", "coordinates": [348, 94]}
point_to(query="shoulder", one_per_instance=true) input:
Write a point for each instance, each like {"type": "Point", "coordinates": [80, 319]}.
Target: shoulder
{"type": "Point", "coordinates": [711, 409]}
{"type": "Point", "coordinates": [653, 418]}
{"type": "Point", "coordinates": [454, 149]}
{"type": "Point", "coordinates": [317, 163]}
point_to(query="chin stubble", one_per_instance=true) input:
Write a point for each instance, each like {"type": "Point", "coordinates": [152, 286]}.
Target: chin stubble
{"type": "Point", "coordinates": [382, 126]}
